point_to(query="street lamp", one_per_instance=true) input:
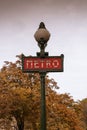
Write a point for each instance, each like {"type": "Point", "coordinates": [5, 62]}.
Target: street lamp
{"type": "Point", "coordinates": [42, 35]}
{"type": "Point", "coordinates": [42, 64]}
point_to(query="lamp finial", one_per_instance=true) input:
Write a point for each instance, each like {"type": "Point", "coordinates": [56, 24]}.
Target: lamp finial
{"type": "Point", "coordinates": [42, 25]}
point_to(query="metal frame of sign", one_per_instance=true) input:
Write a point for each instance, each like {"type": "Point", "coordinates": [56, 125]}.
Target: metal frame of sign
{"type": "Point", "coordinates": [38, 70]}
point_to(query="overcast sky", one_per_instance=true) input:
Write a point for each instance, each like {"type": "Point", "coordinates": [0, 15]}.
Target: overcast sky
{"type": "Point", "coordinates": [66, 20]}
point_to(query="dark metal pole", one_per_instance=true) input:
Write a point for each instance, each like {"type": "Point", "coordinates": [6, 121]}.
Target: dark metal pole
{"type": "Point", "coordinates": [42, 43]}
{"type": "Point", "coordinates": [43, 102]}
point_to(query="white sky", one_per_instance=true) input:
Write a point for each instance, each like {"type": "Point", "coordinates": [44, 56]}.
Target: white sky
{"type": "Point", "coordinates": [66, 20]}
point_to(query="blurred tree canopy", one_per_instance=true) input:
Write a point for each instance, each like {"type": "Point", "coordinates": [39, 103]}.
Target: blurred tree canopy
{"type": "Point", "coordinates": [83, 104]}
{"type": "Point", "coordinates": [20, 101]}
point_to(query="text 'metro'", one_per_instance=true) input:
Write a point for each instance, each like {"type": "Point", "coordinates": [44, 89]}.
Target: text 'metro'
{"type": "Point", "coordinates": [47, 64]}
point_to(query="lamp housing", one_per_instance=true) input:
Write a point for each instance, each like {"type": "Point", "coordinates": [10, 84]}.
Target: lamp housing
{"type": "Point", "coordinates": [42, 35]}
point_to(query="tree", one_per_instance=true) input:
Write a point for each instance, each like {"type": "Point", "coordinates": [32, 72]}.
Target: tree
{"type": "Point", "coordinates": [16, 93]}
{"type": "Point", "coordinates": [63, 112]}
{"type": "Point", "coordinates": [20, 98]}
{"type": "Point", "coordinates": [83, 104]}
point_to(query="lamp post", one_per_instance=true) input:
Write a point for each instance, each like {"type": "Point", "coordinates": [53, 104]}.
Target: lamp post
{"type": "Point", "coordinates": [42, 36]}
{"type": "Point", "coordinates": [42, 64]}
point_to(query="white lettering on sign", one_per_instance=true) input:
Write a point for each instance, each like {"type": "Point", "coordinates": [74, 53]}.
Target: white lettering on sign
{"type": "Point", "coordinates": [55, 63]}
{"type": "Point", "coordinates": [36, 64]}
{"type": "Point", "coordinates": [29, 62]}
{"type": "Point", "coordinates": [48, 63]}
{"type": "Point", "coordinates": [40, 64]}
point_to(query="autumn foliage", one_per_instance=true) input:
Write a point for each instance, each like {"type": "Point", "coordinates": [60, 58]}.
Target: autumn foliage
{"type": "Point", "coordinates": [20, 100]}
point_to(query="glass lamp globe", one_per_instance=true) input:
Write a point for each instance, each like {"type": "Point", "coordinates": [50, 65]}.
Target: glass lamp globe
{"type": "Point", "coordinates": [42, 35]}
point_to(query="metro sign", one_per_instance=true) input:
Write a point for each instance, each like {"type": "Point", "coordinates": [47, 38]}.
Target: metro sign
{"type": "Point", "coordinates": [38, 64]}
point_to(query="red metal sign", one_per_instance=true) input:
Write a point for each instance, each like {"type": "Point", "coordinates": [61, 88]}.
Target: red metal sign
{"type": "Point", "coordinates": [37, 64]}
